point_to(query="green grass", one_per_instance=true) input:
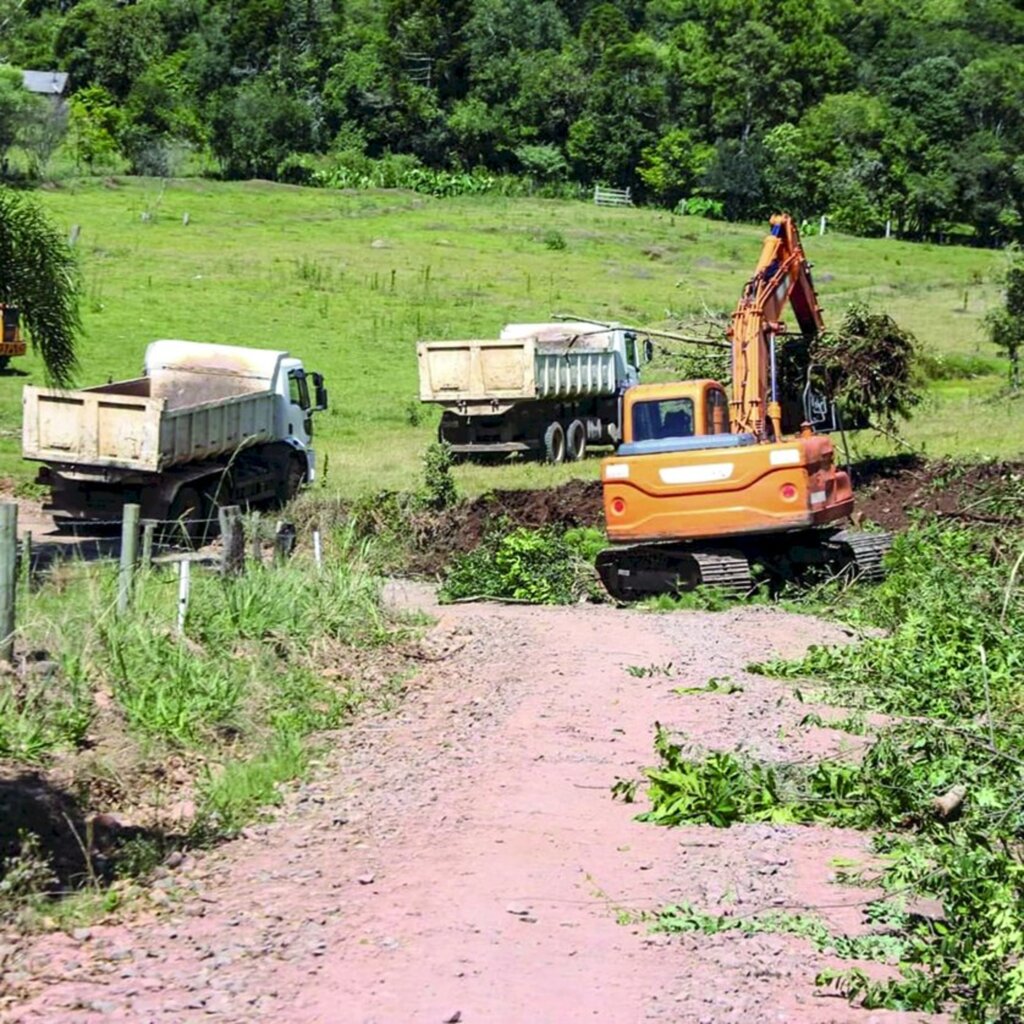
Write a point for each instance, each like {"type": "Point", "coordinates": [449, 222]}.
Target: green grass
{"type": "Point", "coordinates": [350, 281]}
{"type": "Point", "coordinates": [269, 652]}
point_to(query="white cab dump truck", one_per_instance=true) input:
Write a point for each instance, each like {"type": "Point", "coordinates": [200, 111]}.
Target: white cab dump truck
{"type": "Point", "coordinates": [206, 426]}
{"type": "Point", "coordinates": [551, 389]}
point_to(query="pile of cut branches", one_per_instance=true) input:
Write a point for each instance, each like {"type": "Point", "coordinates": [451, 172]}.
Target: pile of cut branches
{"type": "Point", "coordinates": [869, 367]}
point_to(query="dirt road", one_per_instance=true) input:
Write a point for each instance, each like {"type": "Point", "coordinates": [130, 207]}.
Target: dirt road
{"type": "Point", "coordinates": [462, 860]}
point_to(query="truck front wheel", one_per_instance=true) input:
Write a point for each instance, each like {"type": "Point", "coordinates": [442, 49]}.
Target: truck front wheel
{"type": "Point", "coordinates": [554, 444]}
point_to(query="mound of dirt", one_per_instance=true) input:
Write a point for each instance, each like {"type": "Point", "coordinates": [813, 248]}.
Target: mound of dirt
{"type": "Point", "coordinates": [461, 529]}
{"type": "Point", "coordinates": [889, 492]}
{"type": "Point", "coordinates": [892, 491]}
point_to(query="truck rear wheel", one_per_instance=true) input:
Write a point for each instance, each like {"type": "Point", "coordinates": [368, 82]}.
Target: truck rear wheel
{"type": "Point", "coordinates": [554, 444]}
{"type": "Point", "coordinates": [576, 441]}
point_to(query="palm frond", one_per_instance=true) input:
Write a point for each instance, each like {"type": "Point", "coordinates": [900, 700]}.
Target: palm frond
{"type": "Point", "coordinates": [39, 274]}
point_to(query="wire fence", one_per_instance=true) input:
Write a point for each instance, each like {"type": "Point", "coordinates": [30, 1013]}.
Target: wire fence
{"type": "Point", "coordinates": [142, 545]}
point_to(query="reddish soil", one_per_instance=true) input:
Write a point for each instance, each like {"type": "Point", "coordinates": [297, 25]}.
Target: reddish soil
{"type": "Point", "coordinates": [577, 503]}
{"type": "Point", "coordinates": [462, 859]}
{"type": "Point", "coordinates": [889, 492]}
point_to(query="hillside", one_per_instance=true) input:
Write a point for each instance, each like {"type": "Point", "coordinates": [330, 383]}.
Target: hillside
{"type": "Point", "coordinates": [867, 112]}
{"type": "Point", "coordinates": [350, 280]}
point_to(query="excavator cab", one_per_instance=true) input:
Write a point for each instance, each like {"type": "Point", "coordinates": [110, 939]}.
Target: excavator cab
{"type": "Point", "coordinates": [673, 417]}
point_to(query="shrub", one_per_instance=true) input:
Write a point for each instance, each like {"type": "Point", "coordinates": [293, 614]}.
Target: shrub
{"type": "Point", "coordinates": [545, 566]}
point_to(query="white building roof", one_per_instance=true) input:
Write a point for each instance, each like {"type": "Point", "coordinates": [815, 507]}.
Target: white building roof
{"type": "Point", "coordinates": [49, 83]}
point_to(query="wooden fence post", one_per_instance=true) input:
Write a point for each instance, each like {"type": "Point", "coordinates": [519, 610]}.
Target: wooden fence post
{"type": "Point", "coordinates": [26, 555]}
{"type": "Point", "coordinates": [284, 541]}
{"type": "Point", "coordinates": [129, 554]}
{"type": "Point", "coordinates": [232, 536]}
{"type": "Point", "coordinates": [256, 541]}
{"type": "Point", "coordinates": [148, 530]}
{"type": "Point", "coordinates": [8, 577]}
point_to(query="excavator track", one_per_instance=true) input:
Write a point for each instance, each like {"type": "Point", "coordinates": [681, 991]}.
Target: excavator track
{"type": "Point", "coordinates": [863, 552]}
{"type": "Point", "coordinates": [727, 570]}
{"type": "Point", "coordinates": [632, 573]}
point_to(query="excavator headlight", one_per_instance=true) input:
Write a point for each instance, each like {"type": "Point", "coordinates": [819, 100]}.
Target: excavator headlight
{"type": "Point", "coordinates": [618, 506]}
{"type": "Point", "coordinates": [617, 471]}
{"type": "Point", "coordinates": [788, 492]}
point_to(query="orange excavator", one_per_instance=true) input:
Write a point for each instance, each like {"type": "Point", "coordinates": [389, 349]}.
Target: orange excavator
{"type": "Point", "coordinates": [703, 486]}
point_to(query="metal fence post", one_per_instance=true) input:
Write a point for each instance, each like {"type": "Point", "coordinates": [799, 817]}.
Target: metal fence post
{"type": "Point", "coordinates": [184, 575]}
{"type": "Point", "coordinates": [8, 577]}
{"type": "Point", "coordinates": [129, 554]}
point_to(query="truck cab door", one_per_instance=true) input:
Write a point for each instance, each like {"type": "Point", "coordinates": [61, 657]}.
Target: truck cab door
{"type": "Point", "coordinates": [300, 420]}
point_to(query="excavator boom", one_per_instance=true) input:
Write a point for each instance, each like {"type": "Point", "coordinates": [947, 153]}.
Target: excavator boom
{"type": "Point", "coordinates": [782, 275]}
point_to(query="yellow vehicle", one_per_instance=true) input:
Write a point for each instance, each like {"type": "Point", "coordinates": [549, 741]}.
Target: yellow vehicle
{"type": "Point", "coordinates": [12, 343]}
{"type": "Point", "coordinates": [704, 485]}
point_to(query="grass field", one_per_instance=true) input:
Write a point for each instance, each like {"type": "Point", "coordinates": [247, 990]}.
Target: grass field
{"type": "Point", "coordinates": [350, 281]}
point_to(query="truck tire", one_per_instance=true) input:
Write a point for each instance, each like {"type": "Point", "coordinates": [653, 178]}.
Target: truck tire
{"type": "Point", "coordinates": [186, 517]}
{"type": "Point", "coordinates": [554, 444]}
{"type": "Point", "coordinates": [293, 480]}
{"type": "Point", "coordinates": [576, 441]}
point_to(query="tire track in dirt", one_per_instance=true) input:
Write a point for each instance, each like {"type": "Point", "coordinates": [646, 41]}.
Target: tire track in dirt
{"type": "Point", "coordinates": [462, 858]}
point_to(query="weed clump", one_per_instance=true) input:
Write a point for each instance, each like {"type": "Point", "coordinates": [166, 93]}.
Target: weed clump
{"type": "Point", "coordinates": [440, 490]}
{"type": "Point", "coordinates": [546, 566]}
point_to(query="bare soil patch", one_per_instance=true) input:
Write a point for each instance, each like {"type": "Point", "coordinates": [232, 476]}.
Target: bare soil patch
{"type": "Point", "coordinates": [889, 492]}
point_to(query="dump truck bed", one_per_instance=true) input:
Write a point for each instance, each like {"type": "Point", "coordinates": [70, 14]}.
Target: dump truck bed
{"type": "Point", "coordinates": [148, 424]}
{"type": "Point", "coordinates": [514, 369]}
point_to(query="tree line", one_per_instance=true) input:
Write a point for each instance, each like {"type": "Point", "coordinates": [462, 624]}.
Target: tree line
{"type": "Point", "coordinates": [866, 111]}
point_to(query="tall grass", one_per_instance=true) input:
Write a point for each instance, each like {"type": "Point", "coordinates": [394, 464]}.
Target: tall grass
{"type": "Point", "coordinates": [265, 661]}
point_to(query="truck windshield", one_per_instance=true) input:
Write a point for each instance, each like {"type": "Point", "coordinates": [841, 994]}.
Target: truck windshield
{"type": "Point", "coordinates": [671, 417]}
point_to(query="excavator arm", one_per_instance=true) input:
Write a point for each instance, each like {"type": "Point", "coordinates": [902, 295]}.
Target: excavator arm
{"type": "Point", "coordinates": [782, 275]}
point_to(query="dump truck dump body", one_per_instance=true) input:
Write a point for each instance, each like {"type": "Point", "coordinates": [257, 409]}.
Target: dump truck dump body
{"type": "Point", "coordinates": [490, 374]}
{"type": "Point", "coordinates": [551, 388]}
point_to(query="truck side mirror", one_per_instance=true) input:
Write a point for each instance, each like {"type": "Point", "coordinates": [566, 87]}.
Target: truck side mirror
{"type": "Point", "coordinates": [319, 393]}
{"type": "Point", "coordinates": [648, 350]}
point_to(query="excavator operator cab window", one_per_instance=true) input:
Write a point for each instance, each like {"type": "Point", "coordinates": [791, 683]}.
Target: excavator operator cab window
{"type": "Point", "coordinates": [671, 417]}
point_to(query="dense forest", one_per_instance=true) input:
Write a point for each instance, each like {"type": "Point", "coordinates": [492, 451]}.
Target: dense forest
{"type": "Point", "coordinates": [866, 111]}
